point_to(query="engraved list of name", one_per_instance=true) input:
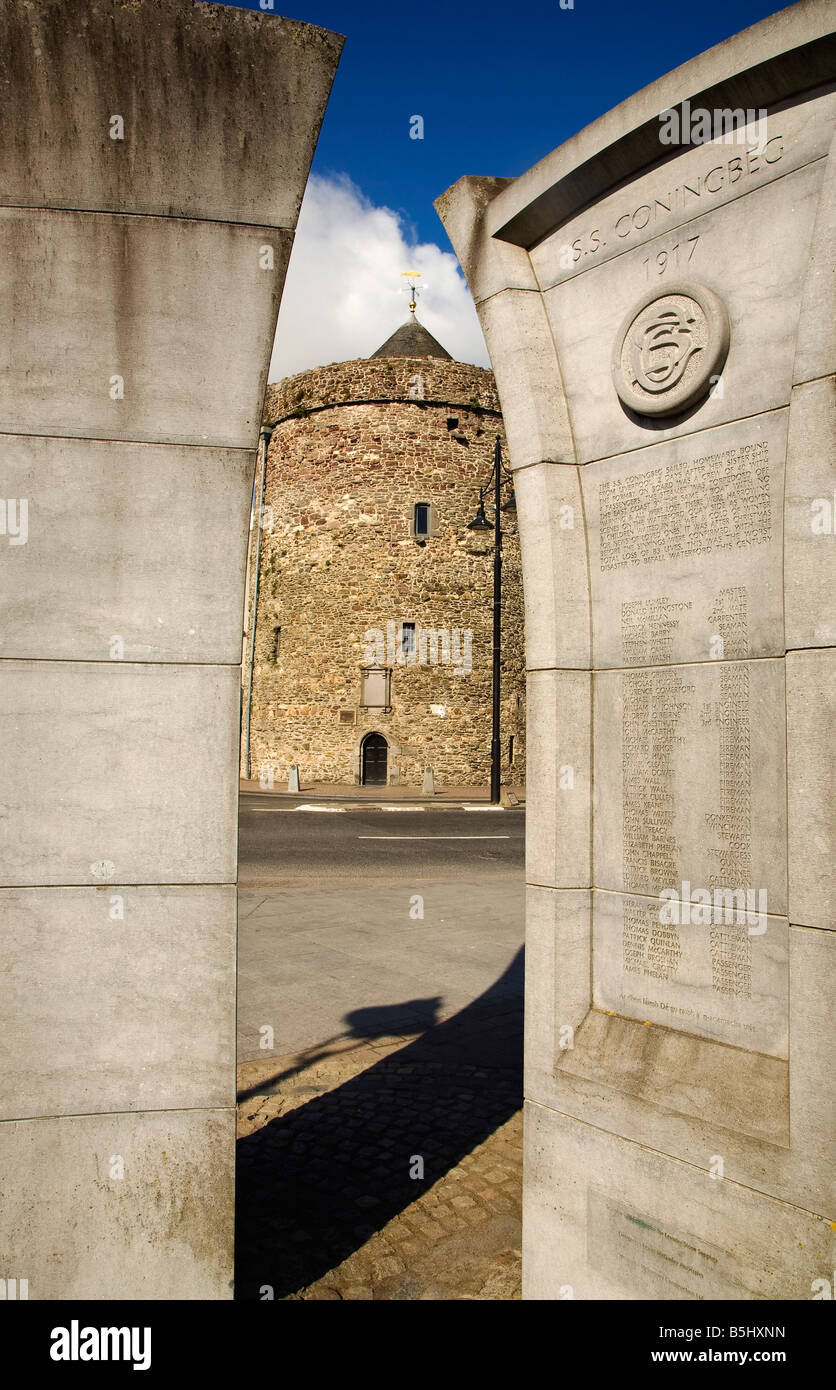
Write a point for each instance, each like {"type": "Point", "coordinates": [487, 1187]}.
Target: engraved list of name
{"type": "Point", "coordinates": [667, 723]}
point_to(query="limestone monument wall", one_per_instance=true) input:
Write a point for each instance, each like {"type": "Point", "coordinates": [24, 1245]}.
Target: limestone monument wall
{"type": "Point", "coordinates": [152, 162]}
{"type": "Point", "coordinates": [660, 318]}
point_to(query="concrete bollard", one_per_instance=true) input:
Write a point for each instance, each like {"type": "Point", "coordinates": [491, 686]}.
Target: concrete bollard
{"type": "Point", "coordinates": [293, 779]}
{"type": "Point", "coordinates": [428, 788]}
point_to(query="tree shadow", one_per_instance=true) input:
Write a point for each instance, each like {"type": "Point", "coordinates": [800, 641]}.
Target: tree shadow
{"type": "Point", "coordinates": [315, 1184]}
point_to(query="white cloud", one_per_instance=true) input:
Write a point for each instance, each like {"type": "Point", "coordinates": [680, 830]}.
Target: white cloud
{"type": "Point", "coordinates": [341, 297]}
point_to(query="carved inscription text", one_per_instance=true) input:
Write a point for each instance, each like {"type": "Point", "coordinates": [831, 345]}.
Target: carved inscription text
{"type": "Point", "coordinates": [720, 502]}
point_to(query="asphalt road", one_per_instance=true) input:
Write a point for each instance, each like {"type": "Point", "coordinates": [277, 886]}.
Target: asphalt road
{"type": "Point", "coordinates": [279, 841]}
{"type": "Point", "coordinates": [363, 922]}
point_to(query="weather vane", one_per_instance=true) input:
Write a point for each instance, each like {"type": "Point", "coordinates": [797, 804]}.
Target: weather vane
{"type": "Point", "coordinates": [414, 290]}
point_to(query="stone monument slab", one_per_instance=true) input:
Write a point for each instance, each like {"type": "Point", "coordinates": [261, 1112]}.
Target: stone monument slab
{"type": "Point", "coordinates": [680, 1071]}
{"type": "Point", "coordinates": [111, 1026]}
{"type": "Point", "coordinates": [686, 547]}
{"type": "Point", "coordinates": [759, 279]}
{"type": "Point", "coordinates": [122, 554]}
{"type": "Point", "coordinates": [690, 779]}
{"type": "Point", "coordinates": [175, 820]}
{"type": "Point", "coordinates": [720, 973]}
{"type": "Point", "coordinates": [152, 165]}
{"type": "Point", "coordinates": [123, 354]}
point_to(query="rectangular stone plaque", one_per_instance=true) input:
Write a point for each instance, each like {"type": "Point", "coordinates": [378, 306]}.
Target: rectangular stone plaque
{"type": "Point", "coordinates": [723, 980]}
{"type": "Point", "coordinates": [685, 547]}
{"type": "Point", "coordinates": [659, 1260]}
{"type": "Point", "coordinates": [690, 779]}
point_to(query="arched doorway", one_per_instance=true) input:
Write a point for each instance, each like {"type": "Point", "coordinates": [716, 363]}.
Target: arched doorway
{"type": "Point", "coordinates": [374, 761]}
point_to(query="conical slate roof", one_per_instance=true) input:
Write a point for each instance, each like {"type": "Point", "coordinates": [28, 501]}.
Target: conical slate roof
{"type": "Point", "coordinates": [412, 340]}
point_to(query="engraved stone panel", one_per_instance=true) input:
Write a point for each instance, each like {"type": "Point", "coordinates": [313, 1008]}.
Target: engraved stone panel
{"type": "Point", "coordinates": [690, 779]}
{"type": "Point", "coordinates": [670, 349]}
{"type": "Point", "coordinates": [752, 255]}
{"type": "Point", "coordinates": [690, 297]}
{"type": "Point", "coordinates": [685, 547]}
{"type": "Point", "coordinates": [694, 1095]}
{"type": "Point", "coordinates": [717, 970]}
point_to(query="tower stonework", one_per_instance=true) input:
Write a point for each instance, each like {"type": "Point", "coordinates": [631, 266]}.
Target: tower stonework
{"type": "Point", "coordinates": [356, 446]}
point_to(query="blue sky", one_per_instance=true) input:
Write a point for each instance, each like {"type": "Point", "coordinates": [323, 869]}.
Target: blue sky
{"type": "Point", "coordinates": [498, 87]}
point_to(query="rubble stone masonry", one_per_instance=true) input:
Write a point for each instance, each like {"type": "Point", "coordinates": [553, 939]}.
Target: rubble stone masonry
{"type": "Point", "coordinates": [355, 446]}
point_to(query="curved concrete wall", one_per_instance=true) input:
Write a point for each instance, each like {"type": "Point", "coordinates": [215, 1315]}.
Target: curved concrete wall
{"type": "Point", "coordinates": [677, 524]}
{"type": "Point", "coordinates": [151, 169]}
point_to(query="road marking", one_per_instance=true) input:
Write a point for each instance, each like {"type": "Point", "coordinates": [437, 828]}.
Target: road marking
{"type": "Point", "coordinates": [438, 837]}
{"type": "Point", "coordinates": [482, 808]}
{"type": "Point", "coordinates": [403, 808]}
{"type": "Point", "coordinates": [339, 809]}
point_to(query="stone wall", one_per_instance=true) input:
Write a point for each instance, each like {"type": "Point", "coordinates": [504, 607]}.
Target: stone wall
{"type": "Point", "coordinates": [139, 308]}
{"type": "Point", "coordinates": [660, 318]}
{"type": "Point", "coordinates": [350, 456]}
{"type": "Point", "coordinates": [382, 379]}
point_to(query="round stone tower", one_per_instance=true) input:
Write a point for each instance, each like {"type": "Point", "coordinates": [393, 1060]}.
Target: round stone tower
{"type": "Point", "coordinates": [373, 633]}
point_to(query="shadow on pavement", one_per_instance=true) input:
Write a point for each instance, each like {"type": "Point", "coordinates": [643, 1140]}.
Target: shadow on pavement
{"type": "Point", "coordinates": [315, 1184]}
{"type": "Point", "coordinates": [411, 1016]}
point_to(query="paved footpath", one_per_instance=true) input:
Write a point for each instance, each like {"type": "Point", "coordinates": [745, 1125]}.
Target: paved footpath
{"type": "Point", "coordinates": [387, 1168]}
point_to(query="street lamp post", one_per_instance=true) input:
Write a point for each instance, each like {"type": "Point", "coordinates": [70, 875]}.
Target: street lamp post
{"type": "Point", "coordinates": [264, 438]}
{"type": "Point", "coordinates": [481, 523]}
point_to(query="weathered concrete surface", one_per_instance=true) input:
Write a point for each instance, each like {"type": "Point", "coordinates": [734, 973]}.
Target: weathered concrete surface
{"type": "Point", "coordinates": [679, 571]}
{"type": "Point", "coordinates": [152, 165]}
{"type": "Point", "coordinates": [221, 111]}
{"type": "Point", "coordinates": [145, 317]}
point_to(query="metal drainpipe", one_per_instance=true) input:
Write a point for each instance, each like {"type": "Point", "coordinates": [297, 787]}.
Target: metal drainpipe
{"type": "Point", "coordinates": [264, 438]}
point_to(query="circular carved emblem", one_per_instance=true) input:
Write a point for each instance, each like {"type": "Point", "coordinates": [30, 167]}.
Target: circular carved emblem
{"type": "Point", "coordinates": [669, 347]}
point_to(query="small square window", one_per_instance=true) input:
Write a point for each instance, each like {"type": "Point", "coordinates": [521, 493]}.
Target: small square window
{"type": "Point", "coordinates": [421, 519]}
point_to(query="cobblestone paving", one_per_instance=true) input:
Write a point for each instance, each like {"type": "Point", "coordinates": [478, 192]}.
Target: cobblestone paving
{"type": "Point", "coordinates": [327, 1208]}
